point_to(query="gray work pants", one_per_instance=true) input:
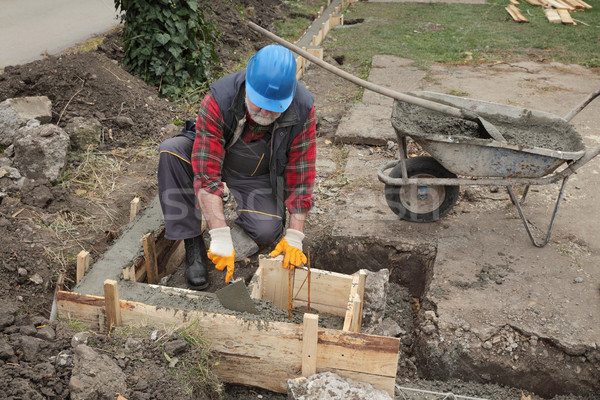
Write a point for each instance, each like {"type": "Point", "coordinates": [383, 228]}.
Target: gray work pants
{"type": "Point", "coordinates": [256, 203]}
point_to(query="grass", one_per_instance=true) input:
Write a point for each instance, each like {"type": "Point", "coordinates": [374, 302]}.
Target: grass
{"type": "Point", "coordinates": [299, 17]}
{"type": "Point", "coordinates": [465, 34]}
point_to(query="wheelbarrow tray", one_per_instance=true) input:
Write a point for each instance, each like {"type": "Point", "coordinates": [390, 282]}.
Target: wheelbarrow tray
{"type": "Point", "coordinates": [536, 142]}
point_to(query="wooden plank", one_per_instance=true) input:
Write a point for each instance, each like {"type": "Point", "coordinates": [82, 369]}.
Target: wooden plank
{"type": "Point", "coordinates": [247, 348]}
{"type": "Point", "coordinates": [557, 4]}
{"type": "Point", "coordinates": [83, 264]}
{"type": "Point", "coordinates": [565, 5]}
{"type": "Point", "coordinates": [169, 260]}
{"type": "Point", "coordinates": [584, 4]}
{"type": "Point", "coordinates": [575, 4]}
{"type": "Point", "coordinates": [514, 2]}
{"type": "Point", "coordinates": [328, 291]}
{"type": "Point", "coordinates": [362, 280]}
{"type": "Point", "coordinates": [552, 15]}
{"type": "Point", "coordinates": [112, 304]}
{"type": "Point", "coordinates": [516, 14]}
{"type": "Point", "coordinates": [275, 281]}
{"type": "Point", "coordinates": [310, 330]}
{"type": "Point", "coordinates": [565, 17]}
{"type": "Point", "coordinates": [356, 311]}
{"type": "Point", "coordinates": [150, 257]}
{"type": "Point", "coordinates": [350, 311]}
{"type": "Point", "coordinates": [316, 52]}
{"type": "Point", "coordinates": [134, 207]}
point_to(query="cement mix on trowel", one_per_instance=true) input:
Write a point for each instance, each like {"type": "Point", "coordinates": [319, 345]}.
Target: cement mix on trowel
{"type": "Point", "coordinates": [527, 131]}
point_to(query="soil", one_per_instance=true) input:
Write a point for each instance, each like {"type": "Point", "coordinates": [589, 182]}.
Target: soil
{"type": "Point", "coordinates": [44, 226]}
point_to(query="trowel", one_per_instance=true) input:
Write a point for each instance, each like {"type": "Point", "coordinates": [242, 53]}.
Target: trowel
{"type": "Point", "coordinates": [235, 297]}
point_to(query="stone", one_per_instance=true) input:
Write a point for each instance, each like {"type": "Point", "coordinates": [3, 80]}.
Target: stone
{"type": "Point", "coordinates": [15, 113]}
{"type": "Point", "coordinates": [376, 286]}
{"type": "Point", "coordinates": [47, 333]}
{"type": "Point", "coordinates": [7, 315]}
{"type": "Point", "coordinates": [95, 376]}
{"type": "Point", "coordinates": [84, 132]}
{"type": "Point", "coordinates": [36, 278]}
{"type": "Point", "coordinates": [41, 152]}
{"type": "Point", "coordinates": [31, 347]}
{"type": "Point", "coordinates": [388, 327]}
{"type": "Point", "coordinates": [124, 122]}
{"type": "Point", "coordinates": [243, 244]}
{"type": "Point", "coordinates": [64, 360]}
{"type": "Point", "coordinates": [430, 315]}
{"type": "Point", "coordinates": [6, 350]}
{"type": "Point", "coordinates": [329, 386]}
{"type": "Point", "coordinates": [80, 338]}
{"type": "Point", "coordinates": [176, 347]}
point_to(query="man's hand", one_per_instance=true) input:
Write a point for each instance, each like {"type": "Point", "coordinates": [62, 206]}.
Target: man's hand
{"type": "Point", "coordinates": [291, 246]}
{"type": "Point", "coordinates": [221, 251]}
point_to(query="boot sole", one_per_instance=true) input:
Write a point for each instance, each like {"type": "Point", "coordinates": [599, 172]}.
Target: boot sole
{"type": "Point", "coordinates": [202, 287]}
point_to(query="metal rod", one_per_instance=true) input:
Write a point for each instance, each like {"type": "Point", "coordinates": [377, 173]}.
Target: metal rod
{"type": "Point", "coordinates": [581, 105]}
{"type": "Point", "coordinates": [290, 294]}
{"type": "Point", "coordinates": [308, 276]}
{"type": "Point", "coordinates": [522, 215]}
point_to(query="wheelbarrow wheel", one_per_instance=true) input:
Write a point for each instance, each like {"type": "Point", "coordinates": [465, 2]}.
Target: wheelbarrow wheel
{"type": "Point", "coordinates": [421, 203]}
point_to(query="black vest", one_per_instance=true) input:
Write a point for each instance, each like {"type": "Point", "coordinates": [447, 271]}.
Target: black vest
{"type": "Point", "coordinates": [230, 93]}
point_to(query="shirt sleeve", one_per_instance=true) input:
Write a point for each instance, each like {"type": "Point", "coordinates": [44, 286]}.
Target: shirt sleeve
{"type": "Point", "coordinates": [208, 151]}
{"type": "Point", "coordinates": [300, 171]}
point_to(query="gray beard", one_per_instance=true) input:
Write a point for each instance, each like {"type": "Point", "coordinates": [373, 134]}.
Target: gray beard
{"type": "Point", "coordinates": [264, 120]}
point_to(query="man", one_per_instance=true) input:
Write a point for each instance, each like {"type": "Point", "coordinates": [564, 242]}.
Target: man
{"type": "Point", "coordinates": [256, 132]}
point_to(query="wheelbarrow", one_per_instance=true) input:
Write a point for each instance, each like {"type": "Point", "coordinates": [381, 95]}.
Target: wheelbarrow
{"type": "Point", "coordinates": [539, 148]}
{"type": "Point", "coordinates": [485, 143]}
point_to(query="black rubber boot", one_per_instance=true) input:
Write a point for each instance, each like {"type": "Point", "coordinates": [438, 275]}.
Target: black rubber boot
{"type": "Point", "coordinates": [196, 274]}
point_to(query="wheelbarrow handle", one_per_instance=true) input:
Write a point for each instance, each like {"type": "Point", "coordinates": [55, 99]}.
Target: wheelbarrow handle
{"type": "Point", "coordinates": [582, 105]}
{"type": "Point", "coordinates": [431, 105]}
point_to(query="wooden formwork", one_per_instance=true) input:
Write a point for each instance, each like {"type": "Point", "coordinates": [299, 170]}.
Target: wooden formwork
{"type": "Point", "coordinates": [248, 348]}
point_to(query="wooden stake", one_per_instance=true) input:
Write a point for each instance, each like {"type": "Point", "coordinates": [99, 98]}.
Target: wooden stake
{"type": "Point", "coordinates": [112, 304]}
{"type": "Point", "coordinates": [310, 331]}
{"type": "Point", "coordinates": [356, 311]}
{"type": "Point", "coordinates": [134, 208]}
{"type": "Point", "coordinates": [362, 280]}
{"type": "Point", "coordinates": [83, 264]}
{"type": "Point", "coordinates": [150, 255]}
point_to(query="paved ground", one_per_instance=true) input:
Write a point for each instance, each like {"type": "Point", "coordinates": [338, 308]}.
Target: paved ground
{"type": "Point", "coordinates": [30, 28]}
{"type": "Point", "coordinates": [488, 277]}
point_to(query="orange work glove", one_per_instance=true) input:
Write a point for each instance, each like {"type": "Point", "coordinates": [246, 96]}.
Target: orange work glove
{"type": "Point", "coordinates": [291, 247]}
{"type": "Point", "coordinates": [221, 251]}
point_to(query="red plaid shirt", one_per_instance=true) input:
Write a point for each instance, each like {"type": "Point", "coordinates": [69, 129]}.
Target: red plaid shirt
{"type": "Point", "coordinates": [209, 152]}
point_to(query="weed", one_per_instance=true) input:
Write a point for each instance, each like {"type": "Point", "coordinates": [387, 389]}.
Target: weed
{"type": "Point", "coordinates": [458, 93]}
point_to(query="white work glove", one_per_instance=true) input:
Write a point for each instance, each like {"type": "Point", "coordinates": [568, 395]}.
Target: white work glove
{"type": "Point", "coordinates": [291, 246]}
{"type": "Point", "coordinates": [221, 251]}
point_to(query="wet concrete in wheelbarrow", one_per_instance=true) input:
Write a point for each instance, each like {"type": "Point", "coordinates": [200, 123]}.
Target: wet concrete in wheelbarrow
{"type": "Point", "coordinates": [503, 311]}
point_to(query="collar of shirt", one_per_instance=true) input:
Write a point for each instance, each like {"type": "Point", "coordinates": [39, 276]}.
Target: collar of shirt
{"type": "Point", "coordinates": [255, 131]}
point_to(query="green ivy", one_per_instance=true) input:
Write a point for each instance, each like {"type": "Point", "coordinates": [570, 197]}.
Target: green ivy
{"type": "Point", "coordinates": [168, 43]}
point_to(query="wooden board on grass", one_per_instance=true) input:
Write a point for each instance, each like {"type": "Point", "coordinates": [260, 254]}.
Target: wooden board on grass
{"type": "Point", "coordinates": [552, 15]}
{"type": "Point", "coordinates": [246, 348]}
{"type": "Point", "coordinates": [516, 14]}
{"type": "Point", "coordinates": [565, 17]}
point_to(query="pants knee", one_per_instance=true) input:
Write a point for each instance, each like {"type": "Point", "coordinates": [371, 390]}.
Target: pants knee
{"type": "Point", "coordinates": [265, 232]}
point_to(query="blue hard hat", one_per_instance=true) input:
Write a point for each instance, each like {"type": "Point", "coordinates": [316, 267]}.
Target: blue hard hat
{"type": "Point", "coordinates": [271, 78]}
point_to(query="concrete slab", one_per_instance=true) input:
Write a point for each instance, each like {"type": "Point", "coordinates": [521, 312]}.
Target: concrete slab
{"type": "Point", "coordinates": [369, 121]}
